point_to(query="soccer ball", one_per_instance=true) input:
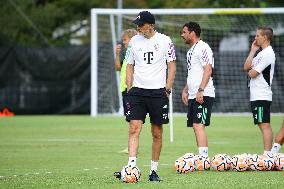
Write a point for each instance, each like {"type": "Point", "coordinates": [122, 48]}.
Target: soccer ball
{"type": "Point", "coordinates": [130, 174]}
{"type": "Point", "coordinates": [189, 159]}
{"type": "Point", "coordinates": [201, 163]}
{"type": "Point", "coordinates": [185, 164]}
{"type": "Point", "coordinates": [279, 163]}
{"type": "Point", "coordinates": [269, 162]}
{"type": "Point", "coordinates": [228, 161]}
{"type": "Point", "coordinates": [221, 162]}
{"type": "Point", "coordinates": [254, 164]}
{"type": "Point", "coordinates": [239, 163]}
{"type": "Point", "coordinates": [263, 162]}
{"type": "Point", "coordinates": [179, 165]}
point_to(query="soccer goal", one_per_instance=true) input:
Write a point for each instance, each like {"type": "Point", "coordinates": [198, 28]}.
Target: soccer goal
{"type": "Point", "coordinates": [229, 32]}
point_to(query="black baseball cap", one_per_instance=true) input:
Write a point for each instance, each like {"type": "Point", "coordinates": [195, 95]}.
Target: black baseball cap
{"type": "Point", "coordinates": [144, 17]}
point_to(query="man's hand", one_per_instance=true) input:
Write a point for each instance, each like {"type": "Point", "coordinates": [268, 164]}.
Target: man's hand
{"type": "Point", "coordinates": [248, 62]}
{"type": "Point", "coordinates": [118, 49]}
{"type": "Point", "coordinates": [254, 46]}
{"type": "Point", "coordinates": [199, 97]}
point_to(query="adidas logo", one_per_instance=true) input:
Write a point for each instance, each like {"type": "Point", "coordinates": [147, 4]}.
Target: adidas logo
{"type": "Point", "coordinates": [199, 106]}
{"type": "Point", "coordinates": [166, 106]}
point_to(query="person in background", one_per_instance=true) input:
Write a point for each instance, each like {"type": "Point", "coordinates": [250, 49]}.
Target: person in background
{"type": "Point", "coordinates": [259, 66]}
{"type": "Point", "coordinates": [199, 92]}
{"type": "Point", "coordinates": [120, 65]}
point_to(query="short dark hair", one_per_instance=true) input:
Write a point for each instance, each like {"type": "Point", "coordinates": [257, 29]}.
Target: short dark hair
{"type": "Point", "coordinates": [267, 31]}
{"type": "Point", "coordinates": [193, 26]}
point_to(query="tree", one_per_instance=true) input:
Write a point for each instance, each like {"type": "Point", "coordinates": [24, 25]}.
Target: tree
{"type": "Point", "coordinates": [54, 22]}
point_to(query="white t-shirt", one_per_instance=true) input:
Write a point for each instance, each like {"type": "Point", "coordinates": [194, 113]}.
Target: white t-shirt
{"type": "Point", "coordinates": [260, 86]}
{"type": "Point", "coordinates": [199, 55]}
{"type": "Point", "coordinates": [149, 57]}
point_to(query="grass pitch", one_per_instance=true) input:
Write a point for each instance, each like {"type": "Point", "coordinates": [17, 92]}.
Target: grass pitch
{"type": "Point", "coordinates": [82, 152]}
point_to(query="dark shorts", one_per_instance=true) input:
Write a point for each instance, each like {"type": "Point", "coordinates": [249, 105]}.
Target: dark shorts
{"type": "Point", "coordinates": [199, 113]}
{"type": "Point", "coordinates": [260, 111]}
{"type": "Point", "coordinates": [152, 101]}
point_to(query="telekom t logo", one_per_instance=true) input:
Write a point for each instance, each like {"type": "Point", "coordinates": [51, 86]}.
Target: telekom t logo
{"type": "Point", "coordinates": [148, 56]}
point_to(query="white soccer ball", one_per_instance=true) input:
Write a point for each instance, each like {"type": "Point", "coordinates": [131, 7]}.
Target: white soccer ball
{"type": "Point", "coordinates": [221, 162]}
{"type": "Point", "coordinates": [185, 164]}
{"type": "Point", "coordinates": [269, 162]}
{"type": "Point", "coordinates": [228, 161]}
{"type": "Point", "coordinates": [189, 159]}
{"type": "Point", "coordinates": [263, 162]}
{"type": "Point", "coordinates": [253, 163]}
{"type": "Point", "coordinates": [179, 164]}
{"type": "Point", "coordinates": [130, 174]}
{"type": "Point", "coordinates": [279, 163]}
{"type": "Point", "coordinates": [201, 163]}
{"type": "Point", "coordinates": [239, 163]}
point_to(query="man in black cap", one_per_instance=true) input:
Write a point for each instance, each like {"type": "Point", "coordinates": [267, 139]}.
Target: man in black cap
{"type": "Point", "coordinates": [149, 55]}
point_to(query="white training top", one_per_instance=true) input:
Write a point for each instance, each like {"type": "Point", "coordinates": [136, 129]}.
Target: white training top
{"type": "Point", "coordinates": [260, 86]}
{"type": "Point", "coordinates": [149, 57]}
{"type": "Point", "coordinates": [199, 55]}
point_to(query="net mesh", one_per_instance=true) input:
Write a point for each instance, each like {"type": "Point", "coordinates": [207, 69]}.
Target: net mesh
{"type": "Point", "coordinates": [229, 36]}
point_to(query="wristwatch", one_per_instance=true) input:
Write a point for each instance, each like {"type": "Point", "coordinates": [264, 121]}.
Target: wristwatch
{"type": "Point", "coordinates": [168, 91]}
{"type": "Point", "coordinates": [200, 90]}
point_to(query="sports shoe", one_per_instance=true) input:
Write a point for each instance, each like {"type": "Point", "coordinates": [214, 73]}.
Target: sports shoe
{"type": "Point", "coordinates": [117, 175]}
{"type": "Point", "coordinates": [154, 177]}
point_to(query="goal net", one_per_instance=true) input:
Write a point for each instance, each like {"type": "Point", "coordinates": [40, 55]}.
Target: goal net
{"type": "Point", "coordinates": [229, 32]}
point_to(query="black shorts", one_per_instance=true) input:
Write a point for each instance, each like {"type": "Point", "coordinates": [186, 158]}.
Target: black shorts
{"type": "Point", "coordinates": [260, 111]}
{"type": "Point", "coordinates": [199, 113]}
{"type": "Point", "coordinates": [152, 101]}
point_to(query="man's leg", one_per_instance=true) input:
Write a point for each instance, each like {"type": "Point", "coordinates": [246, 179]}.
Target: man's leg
{"type": "Point", "coordinates": [201, 138]}
{"type": "Point", "coordinates": [124, 102]}
{"type": "Point", "coordinates": [157, 135]}
{"type": "Point", "coordinates": [279, 139]}
{"type": "Point", "coordinates": [135, 127]}
{"type": "Point", "coordinates": [158, 107]}
{"type": "Point", "coordinates": [267, 136]}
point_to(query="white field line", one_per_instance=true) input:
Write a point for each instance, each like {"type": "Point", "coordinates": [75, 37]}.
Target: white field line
{"type": "Point", "coordinates": [49, 172]}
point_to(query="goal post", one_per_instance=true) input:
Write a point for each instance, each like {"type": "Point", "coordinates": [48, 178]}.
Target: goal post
{"type": "Point", "coordinates": [228, 31]}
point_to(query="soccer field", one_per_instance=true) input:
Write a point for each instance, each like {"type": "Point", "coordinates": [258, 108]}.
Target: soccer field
{"type": "Point", "coordinates": [82, 152]}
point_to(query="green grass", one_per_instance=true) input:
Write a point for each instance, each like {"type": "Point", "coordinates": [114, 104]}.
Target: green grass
{"type": "Point", "coordinates": [82, 152]}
